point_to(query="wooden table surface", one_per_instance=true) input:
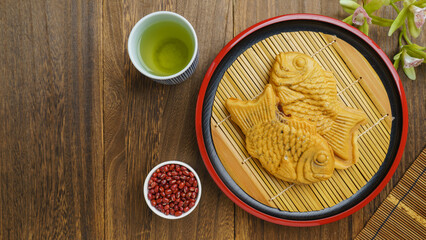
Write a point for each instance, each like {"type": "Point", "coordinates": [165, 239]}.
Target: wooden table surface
{"type": "Point", "coordinates": [81, 127]}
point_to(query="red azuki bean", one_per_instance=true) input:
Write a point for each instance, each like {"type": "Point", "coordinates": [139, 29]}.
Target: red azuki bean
{"type": "Point", "coordinates": [173, 189]}
{"type": "Point", "coordinates": [178, 213]}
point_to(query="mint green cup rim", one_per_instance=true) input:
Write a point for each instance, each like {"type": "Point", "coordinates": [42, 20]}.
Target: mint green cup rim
{"type": "Point", "coordinates": [133, 45]}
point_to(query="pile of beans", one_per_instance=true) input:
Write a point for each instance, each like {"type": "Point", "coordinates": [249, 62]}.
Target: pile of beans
{"type": "Point", "coordinates": [173, 189]}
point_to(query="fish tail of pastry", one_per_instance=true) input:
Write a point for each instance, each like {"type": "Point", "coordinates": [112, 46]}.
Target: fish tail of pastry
{"type": "Point", "coordinates": [247, 114]}
{"type": "Point", "coordinates": [342, 136]}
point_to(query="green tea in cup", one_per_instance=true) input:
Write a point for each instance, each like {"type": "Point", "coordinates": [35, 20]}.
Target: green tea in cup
{"type": "Point", "coordinates": [163, 46]}
{"type": "Point", "coordinates": [166, 48]}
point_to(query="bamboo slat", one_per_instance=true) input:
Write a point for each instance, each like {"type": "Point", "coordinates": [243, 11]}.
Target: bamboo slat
{"type": "Point", "coordinates": [246, 78]}
{"type": "Point", "coordinates": [403, 213]}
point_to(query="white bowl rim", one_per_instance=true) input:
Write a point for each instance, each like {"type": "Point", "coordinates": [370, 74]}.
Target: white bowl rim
{"type": "Point", "coordinates": [146, 73]}
{"type": "Point", "coordinates": [145, 189]}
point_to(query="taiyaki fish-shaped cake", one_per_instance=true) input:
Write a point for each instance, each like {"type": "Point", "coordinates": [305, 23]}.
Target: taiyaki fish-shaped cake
{"type": "Point", "coordinates": [308, 92]}
{"type": "Point", "coordinates": [289, 149]}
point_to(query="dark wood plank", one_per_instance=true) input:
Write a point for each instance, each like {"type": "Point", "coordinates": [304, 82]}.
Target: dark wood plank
{"type": "Point", "coordinates": [148, 123]}
{"type": "Point", "coordinates": [51, 148]}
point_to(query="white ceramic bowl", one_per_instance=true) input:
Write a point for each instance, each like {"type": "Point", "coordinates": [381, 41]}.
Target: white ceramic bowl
{"type": "Point", "coordinates": [133, 46]}
{"type": "Point", "coordinates": [145, 190]}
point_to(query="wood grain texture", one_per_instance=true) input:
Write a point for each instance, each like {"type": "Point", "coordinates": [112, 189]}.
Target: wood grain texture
{"type": "Point", "coordinates": [51, 148]}
{"type": "Point", "coordinates": [81, 127]}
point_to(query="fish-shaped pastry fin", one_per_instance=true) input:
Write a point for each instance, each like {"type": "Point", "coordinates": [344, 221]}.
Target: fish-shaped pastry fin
{"type": "Point", "coordinates": [343, 134]}
{"type": "Point", "coordinates": [302, 124]}
{"type": "Point", "coordinates": [287, 96]}
{"type": "Point", "coordinates": [246, 114]}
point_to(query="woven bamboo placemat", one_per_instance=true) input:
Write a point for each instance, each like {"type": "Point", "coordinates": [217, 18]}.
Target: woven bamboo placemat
{"type": "Point", "coordinates": [403, 214]}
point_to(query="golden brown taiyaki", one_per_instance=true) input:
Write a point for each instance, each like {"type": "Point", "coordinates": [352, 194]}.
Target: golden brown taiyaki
{"type": "Point", "coordinates": [307, 91]}
{"type": "Point", "coordinates": [290, 150]}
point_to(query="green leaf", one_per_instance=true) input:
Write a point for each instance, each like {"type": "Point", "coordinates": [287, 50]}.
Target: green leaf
{"type": "Point", "coordinates": [397, 56]}
{"type": "Point", "coordinates": [364, 28]}
{"type": "Point", "coordinates": [400, 19]}
{"type": "Point", "coordinates": [396, 63]}
{"type": "Point", "coordinates": [348, 20]}
{"type": "Point", "coordinates": [410, 72]}
{"type": "Point", "coordinates": [349, 6]}
{"type": "Point", "coordinates": [414, 31]}
{"type": "Point", "coordinates": [416, 47]}
{"type": "Point", "coordinates": [375, 5]}
{"type": "Point", "coordinates": [416, 53]}
{"type": "Point", "coordinates": [421, 3]}
{"type": "Point", "coordinates": [384, 22]}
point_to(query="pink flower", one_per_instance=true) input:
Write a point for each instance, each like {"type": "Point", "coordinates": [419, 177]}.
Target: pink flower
{"type": "Point", "coordinates": [419, 15]}
{"type": "Point", "coordinates": [410, 61]}
{"type": "Point", "coordinates": [359, 15]}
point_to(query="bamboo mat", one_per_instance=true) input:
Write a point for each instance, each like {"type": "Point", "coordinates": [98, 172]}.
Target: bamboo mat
{"type": "Point", "coordinates": [403, 214]}
{"type": "Point", "coordinates": [246, 78]}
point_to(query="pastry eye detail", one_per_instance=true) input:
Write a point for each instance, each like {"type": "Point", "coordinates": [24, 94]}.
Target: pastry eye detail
{"type": "Point", "coordinates": [321, 158]}
{"type": "Point", "coordinates": [299, 62]}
